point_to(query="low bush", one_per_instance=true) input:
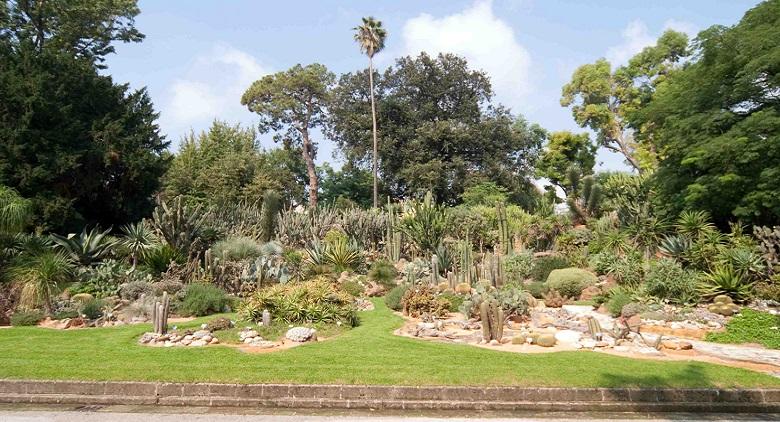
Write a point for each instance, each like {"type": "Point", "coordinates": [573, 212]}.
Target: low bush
{"type": "Point", "coordinates": [353, 287]}
{"type": "Point", "coordinates": [201, 299]}
{"type": "Point", "coordinates": [455, 300]}
{"type": "Point", "coordinates": [726, 281]}
{"type": "Point", "coordinates": [312, 301]}
{"type": "Point", "coordinates": [570, 282]}
{"type": "Point", "coordinates": [544, 265]}
{"type": "Point", "coordinates": [172, 287]}
{"type": "Point", "coordinates": [537, 289]}
{"type": "Point", "coordinates": [424, 300]}
{"type": "Point", "coordinates": [238, 248]}
{"type": "Point", "coordinates": [135, 289]}
{"type": "Point", "coordinates": [383, 273]}
{"type": "Point", "coordinates": [26, 318]}
{"type": "Point", "coordinates": [394, 296]}
{"type": "Point", "coordinates": [92, 308]}
{"type": "Point", "coordinates": [666, 279]}
{"type": "Point", "coordinates": [618, 298]}
{"type": "Point", "coordinates": [768, 290]}
{"type": "Point", "coordinates": [518, 267]}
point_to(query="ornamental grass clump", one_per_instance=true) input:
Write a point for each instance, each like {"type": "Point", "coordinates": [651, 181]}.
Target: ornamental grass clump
{"type": "Point", "coordinates": [312, 301]}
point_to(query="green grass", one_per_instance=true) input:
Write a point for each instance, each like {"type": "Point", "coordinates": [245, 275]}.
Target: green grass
{"type": "Point", "coordinates": [751, 327]}
{"type": "Point", "coordinates": [368, 354]}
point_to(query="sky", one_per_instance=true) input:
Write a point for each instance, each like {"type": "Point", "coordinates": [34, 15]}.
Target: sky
{"type": "Point", "coordinates": [200, 56]}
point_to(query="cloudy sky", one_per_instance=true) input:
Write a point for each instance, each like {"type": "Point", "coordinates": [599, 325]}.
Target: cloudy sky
{"type": "Point", "coordinates": [199, 56]}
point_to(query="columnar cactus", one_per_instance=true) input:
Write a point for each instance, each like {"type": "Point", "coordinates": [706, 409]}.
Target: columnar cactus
{"type": "Point", "coordinates": [492, 320]}
{"type": "Point", "coordinates": [160, 314]}
{"type": "Point", "coordinates": [434, 270]}
{"type": "Point", "coordinates": [505, 241]}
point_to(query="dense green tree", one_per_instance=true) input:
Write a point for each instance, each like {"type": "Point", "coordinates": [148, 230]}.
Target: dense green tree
{"type": "Point", "coordinates": [717, 123]}
{"type": "Point", "coordinates": [441, 131]}
{"type": "Point", "coordinates": [370, 35]}
{"type": "Point", "coordinates": [605, 101]}
{"type": "Point", "coordinates": [292, 103]}
{"type": "Point", "coordinates": [563, 150]}
{"type": "Point", "coordinates": [348, 183]}
{"type": "Point", "coordinates": [83, 149]}
{"type": "Point", "coordinates": [226, 165]}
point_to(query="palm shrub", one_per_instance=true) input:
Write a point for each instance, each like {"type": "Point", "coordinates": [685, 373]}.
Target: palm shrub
{"type": "Point", "coordinates": [666, 279]}
{"type": "Point", "coordinates": [86, 248]}
{"type": "Point", "coordinates": [724, 280]}
{"type": "Point", "coordinates": [312, 301]}
{"type": "Point", "coordinates": [41, 277]}
{"type": "Point", "coordinates": [160, 258]}
{"type": "Point", "coordinates": [138, 239]}
{"type": "Point", "coordinates": [694, 224]}
{"type": "Point", "coordinates": [425, 224]}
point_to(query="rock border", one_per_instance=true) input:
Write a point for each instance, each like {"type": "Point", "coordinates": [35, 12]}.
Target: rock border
{"type": "Point", "coordinates": [391, 397]}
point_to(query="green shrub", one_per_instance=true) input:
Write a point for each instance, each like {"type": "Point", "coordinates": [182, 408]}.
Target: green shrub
{"type": "Point", "coordinates": [518, 267]}
{"type": "Point", "coordinates": [159, 258]}
{"type": "Point", "coordinates": [726, 281]}
{"type": "Point", "coordinates": [537, 289]}
{"type": "Point", "coordinates": [569, 282]}
{"type": "Point", "coordinates": [544, 265]}
{"type": "Point", "coordinates": [135, 289]}
{"type": "Point", "coordinates": [769, 290]}
{"type": "Point", "coordinates": [26, 318]}
{"type": "Point", "coordinates": [423, 300]}
{"type": "Point", "coordinates": [455, 300]}
{"type": "Point", "coordinates": [92, 309]}
{"type": "Point", "coordinates": [353, 287]}
{"type": "Point", "coordinates": [172, 287]}
{"type": "Point", "coordinates": [601, 262]}
{"type": "Point", "coordinates": [666, 279]}
{"type": "Point", "coordinates": [394, 296]}
{"type": "Point", "coordinates": [237, 248]}
{"type": "Point", "coordinates": [203, 299]}
{"type": "Point", "coordinates": [383, 273]}
{"type": "Point", "coordinates": [618, 298]}
{"type": "Point", "coordinates": [312, 301]}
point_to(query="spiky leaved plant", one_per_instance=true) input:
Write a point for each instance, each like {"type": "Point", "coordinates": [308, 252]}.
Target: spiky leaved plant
{"type": "Point", "coordinates": [138, 240]}
{"type": "Point", "coordinates": [86, 248]}
{"type": "Point", "coordinates": [179, 224]}
{"type": "Point", "coordinates": [41, 277]}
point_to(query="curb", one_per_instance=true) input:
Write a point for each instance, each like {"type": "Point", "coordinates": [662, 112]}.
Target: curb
{"type": "Point", "coordinates": [391, 397]}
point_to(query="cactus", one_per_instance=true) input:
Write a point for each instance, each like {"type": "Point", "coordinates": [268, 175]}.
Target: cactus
{"type": "Point", "coordinates": [492, 320]}
{"type": "Point", "coordinates": [545, 340]}
{"type": "Point", "coordinates": [769, 243]}
{"type": "Point", "coordinates": [266, 318]}
{"type": "Point", "coordinates": [584, 196]}
{"type": "Point", "coordinates": [179, 224]}
{"type": "Point", "coordinates": [505, 241]}
{"type": "Point", "coordinates": [434, 270]}
{"type": "Point", "coordinates": [393, 237]}
{"type": "Point", "coordinates": [467, 261]}
{"type": "Point", "coordinates": [160, 314]}
{"type": "Point", "coordinates": [268, 214]}
{"type": "Point", "coordinates": [594, 328]}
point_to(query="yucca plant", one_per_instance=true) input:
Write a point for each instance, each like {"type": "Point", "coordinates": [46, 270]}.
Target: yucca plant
{"type": "Point", "coordinates": [179, 224]}
{"type": "Point", "coordinates": [138, 239]}
{"type": "Point", "coordinates": [694, 224]}
{"type": "Point", "coordinates": [41, 277]}
{"type": "Point", "coordinates": [724, 280]}
{"type": "Point", "coordinates": [425, 223]}
{"type": "Point", "coordinates": [87, 248]}
{"type": "Point", "coordinates": [343, 255]}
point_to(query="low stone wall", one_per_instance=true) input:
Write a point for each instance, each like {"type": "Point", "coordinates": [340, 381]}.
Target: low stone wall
{"type": "Point", "coordinates": [390, 397]}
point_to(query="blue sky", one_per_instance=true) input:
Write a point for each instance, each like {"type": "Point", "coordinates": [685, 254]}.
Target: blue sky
{"type": "Point", "coordinates": [199, 56]}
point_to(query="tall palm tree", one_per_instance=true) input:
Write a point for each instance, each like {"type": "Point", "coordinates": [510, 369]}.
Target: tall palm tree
{"type": "Point", "coordinates": [371, 38]}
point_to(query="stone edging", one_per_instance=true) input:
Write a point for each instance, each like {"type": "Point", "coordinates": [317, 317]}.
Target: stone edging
{"type": "Point", "coordinates": [390, 397]}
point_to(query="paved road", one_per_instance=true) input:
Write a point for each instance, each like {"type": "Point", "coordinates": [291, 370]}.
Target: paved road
{"type": "Point", "coordinates": [193, 414]}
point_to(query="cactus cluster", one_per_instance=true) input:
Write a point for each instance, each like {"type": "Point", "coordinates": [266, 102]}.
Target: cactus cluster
{"type": "Point", "coordinates": [769, 242]}
{"type": "Point", "coordinates": [723, 305]}
{"type": "Point", "coordinates": [268, 214]}
{"type": "Point", "coordinates": [492, 317]}
{"type": "Point", "coordinates": [504, 239]}
{"type": "Point", "coordinates": [393, 236]}
{"type": "Point", "coordinates": [584, 196]}
{"type": "Point", "coordinates": [491, 269]}
{"type": "Point", "coordinates": [160, 314]}
{"type": "Point", "coordinates": [594, 328]}
{"type": "Point", "coordinates": [179, 224]}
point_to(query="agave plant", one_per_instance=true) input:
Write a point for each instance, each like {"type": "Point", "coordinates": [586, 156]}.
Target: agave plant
{"type": "Point", "coordinates": [138, 239]}
{"type": "Point", "coordinates": [724, 280]}
{"type": "Point", "coordinates": [745, 261]}
{"type": "Point", "coordinates": [343, 255]}
{"type": "Point", "coordinates": [425, 223]}
{"type": "Point", "coordinates": [41, 277]}
{"type": "Point", "coordinates": [446, 258]}
{"type": "Point", "coordinates": [694, 224]}
{"type": "Point", "coordinates": [87, 248]}
{"type": "Point", "coordinates": [674, 246]}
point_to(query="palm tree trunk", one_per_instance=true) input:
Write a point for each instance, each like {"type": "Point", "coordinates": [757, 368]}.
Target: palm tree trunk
{"type": "Point", "coordinates": [373, 118]}
{"type": "Point", "coordinates": [310, 169]}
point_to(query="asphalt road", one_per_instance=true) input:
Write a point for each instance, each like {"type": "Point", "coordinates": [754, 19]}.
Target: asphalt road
{"type": "Point", "coordinates": [26, 413]}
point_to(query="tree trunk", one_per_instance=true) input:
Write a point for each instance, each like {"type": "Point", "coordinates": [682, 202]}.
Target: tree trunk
{"type": "Point", "coordinates": [373, 118]}
{"type": "Point", "coordinates": [310, 168]}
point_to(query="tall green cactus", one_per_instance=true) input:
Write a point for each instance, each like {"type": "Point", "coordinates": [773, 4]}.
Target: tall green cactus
{"type": "Point", "coordinates": [268, 215]}
{"type": "Point", "coordinates": [393, 237]}
{"type": "Point", "coordinates": [179, 224]}
{"type": "Point", "coordinates": [505, 242]}
{"type": "Point", "coordinates": [584, 195]}
{"type": "Point", "coordinates": [466, 260]}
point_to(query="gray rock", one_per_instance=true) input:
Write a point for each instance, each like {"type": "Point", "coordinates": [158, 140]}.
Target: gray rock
{"type": "Point", "coordinates": [301, 334]}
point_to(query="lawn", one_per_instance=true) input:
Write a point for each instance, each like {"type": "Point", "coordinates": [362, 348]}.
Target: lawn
{"type": "Point", "coordinates": [368, 354]}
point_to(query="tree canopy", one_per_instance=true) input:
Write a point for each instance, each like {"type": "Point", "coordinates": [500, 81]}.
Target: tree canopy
{"type": "Point", "coordinates": [441, 132]}
{"type": "Point", "coordinates": [564, 150]}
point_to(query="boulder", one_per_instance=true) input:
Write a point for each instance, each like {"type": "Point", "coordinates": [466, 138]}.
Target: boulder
{"type": "Point", "coordinates": [301, 334]}
{"type": "Point", "coordinates": [568, 336]}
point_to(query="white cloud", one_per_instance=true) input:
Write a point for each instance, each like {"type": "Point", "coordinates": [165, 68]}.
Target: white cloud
{"type": "Point", "coordinates": [636, 36]}
{"type": "Point", "coordinates": [210, 89]}
{"type": "Point", "coordinates": [487, 42]}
